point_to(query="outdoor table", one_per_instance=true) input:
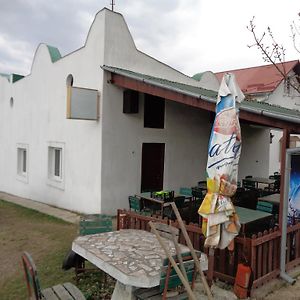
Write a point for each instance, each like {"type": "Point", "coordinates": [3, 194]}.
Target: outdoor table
{"type": "Point", "coordinates": [262, 180]}
{"type": "Point", "coordinates": [273, 198]}
{"type": "Point", "coordinates": [133, 257]}
{"type": "Point", "coordinates": [251, 219]}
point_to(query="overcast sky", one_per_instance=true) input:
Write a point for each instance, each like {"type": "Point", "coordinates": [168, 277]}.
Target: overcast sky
{"type": "Point", "coordinates": [189, 35]}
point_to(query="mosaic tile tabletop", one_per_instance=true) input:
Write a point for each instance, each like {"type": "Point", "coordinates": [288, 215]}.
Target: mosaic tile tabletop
{"type": "Point", "coordinates": [133, 257]}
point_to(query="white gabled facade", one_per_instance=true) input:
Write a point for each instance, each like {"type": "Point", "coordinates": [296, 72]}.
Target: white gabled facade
{"type": "Point", "coordinates": [288, 99]}
{"type": "Point", "coordinates": [100, 160]}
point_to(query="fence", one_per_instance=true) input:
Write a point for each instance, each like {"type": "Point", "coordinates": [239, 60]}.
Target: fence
{"type": "Point", "coordinates": [261, 251]}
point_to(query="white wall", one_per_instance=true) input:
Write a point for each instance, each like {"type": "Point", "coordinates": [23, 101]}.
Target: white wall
{"type": "Point", "coordinates": [281, 98]}
{"type": "Point", "coordinates": [38, 117]}
{"type": "Point", "coordinates": [185, 136]}
{"type": "Point", "coordinates": [255, 152]}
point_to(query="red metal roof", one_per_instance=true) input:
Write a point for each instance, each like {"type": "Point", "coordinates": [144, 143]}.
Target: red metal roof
{"type": "Point", "coordinates": [261, 79]}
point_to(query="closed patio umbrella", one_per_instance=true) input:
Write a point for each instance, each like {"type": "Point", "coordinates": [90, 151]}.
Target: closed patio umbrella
{"type": "Point", "coordinates": [220, 222]}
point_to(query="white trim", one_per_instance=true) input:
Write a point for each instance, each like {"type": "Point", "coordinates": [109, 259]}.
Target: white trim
{"type": "Point", "coordinates": [52, 179]}
{"type": "Point", "coordinates": [21, 175]}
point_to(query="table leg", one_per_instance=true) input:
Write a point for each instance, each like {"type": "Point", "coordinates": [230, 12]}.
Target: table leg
{"type": "Point", "coordinates": [124, 292]}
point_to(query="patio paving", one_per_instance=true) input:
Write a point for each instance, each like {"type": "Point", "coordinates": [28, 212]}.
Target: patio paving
{"type": "Point", "coordinates": [59, 213]}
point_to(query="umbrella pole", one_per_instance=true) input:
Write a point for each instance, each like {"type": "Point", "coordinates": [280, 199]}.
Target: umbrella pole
{"type": "Point", "coordinates": [172, 261]}
{"type": "Point", "coordinates": [189, 244]}
{"type": "Point", "coordinates": [211, 262]}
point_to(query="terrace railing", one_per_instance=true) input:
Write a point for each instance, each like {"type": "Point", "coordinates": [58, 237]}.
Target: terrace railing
{"type": "Point", "coordinates": [261, 251]}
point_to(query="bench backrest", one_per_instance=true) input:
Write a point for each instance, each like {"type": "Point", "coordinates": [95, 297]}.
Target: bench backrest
{"type": "Point", "coordinates": [185, 191]}
{"type": "Point", "coordinates": [166, 230]}
{"type": "Point", "coordinates": [264, 206]}
{"type": "Point", "coordinates": [170, 279]}
{"type": "Point", "coordinates": [97, 223]}
{"type": "Point", "coordinates": [32, 281]}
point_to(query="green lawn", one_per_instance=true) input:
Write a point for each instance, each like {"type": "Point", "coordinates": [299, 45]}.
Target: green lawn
{"type": "Point", "coordinates": [48, 240]}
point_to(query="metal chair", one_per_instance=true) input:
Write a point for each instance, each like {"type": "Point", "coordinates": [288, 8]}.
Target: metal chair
{"type": "Point", "coordinates": [58, 292]}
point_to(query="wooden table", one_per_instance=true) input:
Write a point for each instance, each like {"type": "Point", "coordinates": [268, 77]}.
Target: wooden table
{"type": "Point", "coordinates": [251, 219]}
{"type": "Point", "coordinates": [133, 257]}
{"type": "Point", "coordinates": [273, 198]}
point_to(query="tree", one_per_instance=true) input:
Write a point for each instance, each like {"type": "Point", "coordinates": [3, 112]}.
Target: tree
{"type": "Point", "coordinates": [274, 53]}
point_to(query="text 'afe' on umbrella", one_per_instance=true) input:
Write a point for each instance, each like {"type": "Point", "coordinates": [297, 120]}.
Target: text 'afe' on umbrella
{"type": "Point", "coordinates": [220, 221]}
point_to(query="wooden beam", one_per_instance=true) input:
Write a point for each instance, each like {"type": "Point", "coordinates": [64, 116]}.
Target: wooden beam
{"type": "Point", "coordinates": [143, 87]}
{"type": "Point", "coordinates": [285, 143]}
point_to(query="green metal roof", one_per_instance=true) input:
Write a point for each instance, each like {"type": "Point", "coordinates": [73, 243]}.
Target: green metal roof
{"type": "Point", "coordinates": [197, 91]}
{"type": "Point", "coordinates": [198, 76]}
{"type": "Point", "coordinates": [54, 53]}
{"type": "Point", "coordinates": [260, 108]}
{"type": "Point", "coordinates": [7, 76]}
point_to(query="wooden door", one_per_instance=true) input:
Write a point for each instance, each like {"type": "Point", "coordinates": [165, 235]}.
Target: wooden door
{"type": "Point", "coordinates": [153, 156]}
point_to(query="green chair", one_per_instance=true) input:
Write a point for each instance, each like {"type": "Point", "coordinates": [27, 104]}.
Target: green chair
{"type": "Point", "coordinates": [168, 210]}
{"type": "Point", "coordinates": [185, 191]}
{"type": "Point", "coordinates": [264, 206]}
{"type": "Point", "coordinates": [88, 224]}
{"type": "Point", "coordinates": [66, 291]}
{"type": "Point", "coordinates": [136, 204]}
{"type": "Point", "coordinates": [169, 280]}
{"type": "Point", "coordinates": [96, 223]}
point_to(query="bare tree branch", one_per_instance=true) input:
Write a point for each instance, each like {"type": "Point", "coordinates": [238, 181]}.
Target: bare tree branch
{"type": "Point", "coordinates": [272, 52]}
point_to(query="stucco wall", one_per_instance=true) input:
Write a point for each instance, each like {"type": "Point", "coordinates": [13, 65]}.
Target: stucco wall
{"type": "Point", "coordinates": [255, 152]}
{"type": "Point", "coordinates": [185, 136]}
{"type": "Point", "coordinates": [38, 117]}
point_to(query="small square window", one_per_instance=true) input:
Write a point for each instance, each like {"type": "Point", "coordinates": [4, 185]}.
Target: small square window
{"type": "Point", "coordinates": [55, 164]}
{"type": "Point", "coordinates": [22, 162]}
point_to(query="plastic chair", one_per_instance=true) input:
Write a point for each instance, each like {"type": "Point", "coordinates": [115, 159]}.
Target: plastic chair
{"type": "Point", "coordinates": [57, 292]}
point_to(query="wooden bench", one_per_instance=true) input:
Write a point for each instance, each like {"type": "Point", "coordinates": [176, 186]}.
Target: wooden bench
{"type": "Point", "coordinates": [65, 291]}
{"type": "Point", "coordinates": [170, 283]}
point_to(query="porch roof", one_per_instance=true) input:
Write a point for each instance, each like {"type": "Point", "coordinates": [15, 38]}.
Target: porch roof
{"type": "Point", "coordinates": [250, 110]}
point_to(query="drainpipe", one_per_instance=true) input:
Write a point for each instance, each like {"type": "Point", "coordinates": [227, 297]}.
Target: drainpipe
{"type": "Point", "coordinates": [287, 172]}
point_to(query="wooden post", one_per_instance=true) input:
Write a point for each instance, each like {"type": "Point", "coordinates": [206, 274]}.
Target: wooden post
{"type": "Point", "coordinates": [171, 259]}
{"type": "Point", "coordinates": [189, 244]}
{"type": "Point", "coordinates": [285, 143]}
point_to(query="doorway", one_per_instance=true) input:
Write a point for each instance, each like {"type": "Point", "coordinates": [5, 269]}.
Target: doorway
{"type": "Point", "coordinates": [153, 158]}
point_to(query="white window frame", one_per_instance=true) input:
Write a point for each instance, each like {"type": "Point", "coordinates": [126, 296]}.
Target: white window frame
{"type": "Point", "coordinates": [21, 174]}
{"type": "Point", "coordinates": [53, 179]}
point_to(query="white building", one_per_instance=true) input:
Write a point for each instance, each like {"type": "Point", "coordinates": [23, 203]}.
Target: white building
{"type": "Point", "coordinates": [140, 125]}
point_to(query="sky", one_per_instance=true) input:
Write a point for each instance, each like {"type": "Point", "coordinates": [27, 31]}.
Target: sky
{"type": "Point", "coordinates": [190, 35]}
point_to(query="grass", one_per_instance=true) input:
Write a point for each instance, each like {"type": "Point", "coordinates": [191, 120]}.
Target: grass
{"type": "Point", "coordinates": [47, 239]}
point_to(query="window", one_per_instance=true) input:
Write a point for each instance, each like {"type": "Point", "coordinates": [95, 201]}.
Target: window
{"type": "Point", "coordinates": [154, 112]}
{"type": "Point", "coordinates": [55, 164]}
{"type": "Point", "coordinates": [22, 162]}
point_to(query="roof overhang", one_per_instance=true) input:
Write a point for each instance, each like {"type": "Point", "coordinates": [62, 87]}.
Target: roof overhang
{"type": "Point", "coordinates": [160, 87]}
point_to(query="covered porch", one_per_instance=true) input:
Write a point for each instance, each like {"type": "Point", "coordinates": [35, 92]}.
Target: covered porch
{"type": "Point", "coordinates": [261, 249]}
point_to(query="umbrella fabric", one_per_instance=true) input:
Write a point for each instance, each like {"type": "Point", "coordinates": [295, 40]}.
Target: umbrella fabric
{"type": "Point", "coordinates": [220, 222]}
